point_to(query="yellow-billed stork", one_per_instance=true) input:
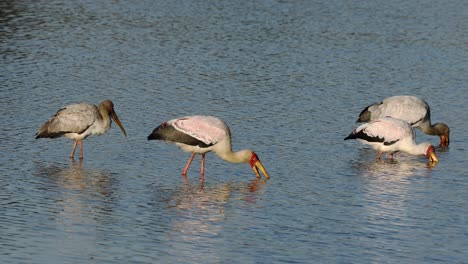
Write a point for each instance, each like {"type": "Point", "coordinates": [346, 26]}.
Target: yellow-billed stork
{"type": "Point", "coordinates": [78, 121]}
{"type": "Point", "coordinates": [411, 109]}
{"type": "Point", "coordinates": [388, 134]}
{"type": "Point", "coordinates": [201, 134]}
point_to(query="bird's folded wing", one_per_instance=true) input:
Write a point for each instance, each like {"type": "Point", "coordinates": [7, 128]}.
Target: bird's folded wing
{"type": "Point", "coordinates": [73, 119]}
{"type": "Point", "coordinates": [207, 129]}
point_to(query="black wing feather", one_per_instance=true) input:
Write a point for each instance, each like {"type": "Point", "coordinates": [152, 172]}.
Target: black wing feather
{"type": "Point", "coordinates": [364, 136]}
{"type": "Point", "coordinates": [169, 133]}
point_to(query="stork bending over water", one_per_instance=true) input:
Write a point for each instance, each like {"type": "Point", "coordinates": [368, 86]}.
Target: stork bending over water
{"type": "Point", "coordinates": [411, 109]}
{"type": "Point", "coordinates": [391, 135]}
{"type": "Point", "coordinates": [201, 134]}
{"type": "Point", "coordinates": [78, 121]}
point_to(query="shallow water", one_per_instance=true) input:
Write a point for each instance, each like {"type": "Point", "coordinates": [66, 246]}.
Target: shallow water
{"type": "Point", "coordinates": [290, 78]}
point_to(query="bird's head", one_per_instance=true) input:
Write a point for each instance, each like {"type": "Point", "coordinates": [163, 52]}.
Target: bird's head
{"type": "Point", "coordinates": [431, 155]}
{"type": "Point", "coordinates": [444, 134]}
{"type": "Point", "coordinates": [108, 105]}
{"type": "Point", "coordinates": [256, 165]}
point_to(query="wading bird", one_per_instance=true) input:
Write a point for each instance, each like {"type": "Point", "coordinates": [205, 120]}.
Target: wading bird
{"type": "Point", "coordinates": [411, 109]}
{"type": "Point", "coordinates": [388, 134]}
{"type": "Point", "coordinates": [78, 121]}
{"type": "Point", "coordinates": [201, 134]}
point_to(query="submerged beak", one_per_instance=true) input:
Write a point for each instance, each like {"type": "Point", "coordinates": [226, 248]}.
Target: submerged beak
{"type": "Point", "coordinates": [116, 119]}
{"type": "Point", "coordinates": [444, 140]}
{"type": "Point", "coordinates": [433, 160]}
{"type": "Point", "coordinates": [433, 157]}
{"type": "Point", "coordinates": [257, 165]}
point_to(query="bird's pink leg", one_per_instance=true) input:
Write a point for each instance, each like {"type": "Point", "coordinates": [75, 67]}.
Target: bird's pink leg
{"type": "Point", "coordinates": [184, 171]}
{"type": "Point", "coordinates": [81, 149]}
{"type": "Point", "coordinates": [202, 170]}
{"type": "Point", "coordinates": [72, 155]}
{"type": "Point", "coordinates": [380, 155]}
{"type": "Point", "coordinates": [186, 182]}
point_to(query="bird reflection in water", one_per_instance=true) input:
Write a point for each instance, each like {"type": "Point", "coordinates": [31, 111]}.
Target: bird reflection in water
{"type": "Point", "coordinates": [254, 185]}
{"type": "Point", "coordinates": [82, 195]}
{"type": "Point", "coordinates": [388, 191]}
{"type": "Point", "coordinates": [75, 177]}
{"type": "Point", "coordinates": [406, 166]}
{"type": "Point", "coordinates": [199, 211]}
{"type": "Point", "coordinates": [210, 200]}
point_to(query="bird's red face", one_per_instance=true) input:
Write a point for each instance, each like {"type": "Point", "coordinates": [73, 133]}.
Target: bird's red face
{"type": "Point", "coordinates": [444, 140]}
{"type": "Point", "coordinates": [444, 133]}
{"type": "Point", "coordinates": [256, 165]}
{"type": "Point", "coordinates": [431, 155]}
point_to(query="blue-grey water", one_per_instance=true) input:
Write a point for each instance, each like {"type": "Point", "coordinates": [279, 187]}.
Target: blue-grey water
{"type": "Point", "coordinates": [289, 77]}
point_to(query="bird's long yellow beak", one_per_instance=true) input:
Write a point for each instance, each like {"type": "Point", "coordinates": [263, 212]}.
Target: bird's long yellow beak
{"type": "Point", "coordinates": [256, 165]}
{"type": "Point", "coordinates": [433, 157]}
{"type": "Point", "coordinates": [444, 140]}
{"type": "Point", "coordinates": [117, 121]}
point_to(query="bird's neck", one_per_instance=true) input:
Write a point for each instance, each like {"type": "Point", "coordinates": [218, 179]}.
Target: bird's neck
{"type": "Point", "coordinates": [105, 118]}
{"type": "Point", "coordinates": [235, 157]}
{"type": "Point", "coordinates": [416, 149]}
{"type": "Point", "coordinates": [225, 152]}
{"type": "Point", "coordinates": [432, 129]}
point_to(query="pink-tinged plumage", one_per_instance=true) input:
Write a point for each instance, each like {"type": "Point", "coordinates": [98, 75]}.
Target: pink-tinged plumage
{"type": "Point", "coordinates": [388, 134]}
{"type": "Point", "coordinates": [411, 109]}
{"type": "Point", "coordinates": [201, 134]}
{"type": "Point", "coordinates": [78, 121]}
{"type": "Point", "coordinates": [207, 129]}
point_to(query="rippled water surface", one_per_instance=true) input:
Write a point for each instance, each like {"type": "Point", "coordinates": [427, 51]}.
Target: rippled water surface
{"type": "Point", "coordinates": [289, 77]}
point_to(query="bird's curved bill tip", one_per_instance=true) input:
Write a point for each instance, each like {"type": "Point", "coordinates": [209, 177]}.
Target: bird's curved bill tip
{"type": "Point", "coordinates": [444, 141]}
{"type": "Point", "coordinates": [257, 165]}
{"type": "Point", "coordinates": [433, 158]}
{"type": "Point", "coordinates": [116, 119]}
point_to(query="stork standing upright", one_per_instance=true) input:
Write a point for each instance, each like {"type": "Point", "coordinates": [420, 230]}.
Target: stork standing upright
{"type": "Point", "coordinates": [201, 134]}
{"type": "Point", "coordinates": [388, 134]}
{"type": "Point", "coordinates": [411, 109]}
{"type": "Point", "coordinates": [78, 121]}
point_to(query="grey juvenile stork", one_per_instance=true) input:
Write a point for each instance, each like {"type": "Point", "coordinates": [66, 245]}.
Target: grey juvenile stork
{"type": "Point", "coordinates": [78, 121]}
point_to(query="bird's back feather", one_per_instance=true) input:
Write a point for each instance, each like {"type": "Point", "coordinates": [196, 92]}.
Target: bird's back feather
{"type": "Point", "coordinates": [75, 118]}
{"type": "Point", "coordinates": [408, 108]}
{"type": "Point", "coordinates": [385, 130]}
{"type": "Point", "coordinates": [207, 129]}
{"type": "Point", "coordinates": [167, 132]}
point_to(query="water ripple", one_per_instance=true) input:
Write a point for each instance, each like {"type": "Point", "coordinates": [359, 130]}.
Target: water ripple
{"type": "Point", "coordinates": [289, 78]}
